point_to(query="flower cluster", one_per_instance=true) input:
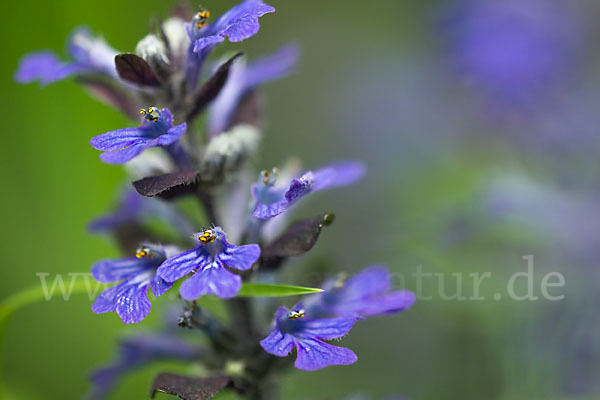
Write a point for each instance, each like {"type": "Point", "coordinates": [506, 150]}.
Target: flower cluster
{"type": "Point", "coordinates": [171, 155]}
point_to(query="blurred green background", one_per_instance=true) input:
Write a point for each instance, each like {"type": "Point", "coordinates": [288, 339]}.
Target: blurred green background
{"type": "Point", "coordinates": [375, 83]}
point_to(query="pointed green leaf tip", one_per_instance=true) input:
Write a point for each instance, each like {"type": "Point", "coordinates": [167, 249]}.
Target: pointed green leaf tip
{"type": "Point", "coordinates": [251, 289]}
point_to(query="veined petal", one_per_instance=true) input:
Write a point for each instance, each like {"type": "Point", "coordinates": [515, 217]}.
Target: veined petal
{"type": "Point", "coordinates": [213, 280]}
{"type": "Point", "coordinates": [132, 304]}
{"type": "Point", "coordinates": [278, 343]}
{"type": "Point", "coordinates": [105, 302]}
{"type": "Point", "coordinates": [107, 271]}
{"type": "Point", "coordinates": [265, 211]}
{"type": "Point", "coordinates": [328, 328]}
{"type": "Point", "coordinates": [245, 23]}
{"type": "Point", "coordinates": [172, 135]}
{"type": "Point", "coordinates": [115, 140]}
{"type": "Point", "coordinates": [240, 257]}
{"type": "Point", "coordinates": [386, 304]}
{"type": "Point", "coordinates": [237, 24]}
{"type": "Point", "coordinates": [160, 286]}
{"type": "Point", "coordinates": [314, 354]}
{"type": "Point", "coordinates": [182, 264]}
{"type": "Point", "coordinates": [300, 187]}
{"type": "Point", "coordinates": [342, 173]}
{"type": "Point", "coordinates": [206, 42]}
{"type": "Point", "coordinates": [124, 155]}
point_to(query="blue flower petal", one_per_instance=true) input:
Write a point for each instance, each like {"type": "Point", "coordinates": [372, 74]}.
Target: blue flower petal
{"type": "Point", "coordinates": [264, 211]}
{"type": "Point", "coordinates": [274, 66]}
{"type": "Point", "coordinates": [314, 354]}
{"type": "Point", "coordinates": [180, 265]}
{"type": "Point", "coordinates": [240, 257]}
{"type": "Point", "coordinates": [213, 280]}
{"type": "Point", "coordinates": [129, 299]}
{"type": "Point", "coordinates": [44, 66]}
{"type": "Point", "coordinates": [106, 302]}
{"type": "Point", "coordinates": [277, 343]}
{"type": "Point", "coordinates": [118, 139]}
{"type": "Point", "coordinates": [364, 294]}
{"type": "Point", "coordinates": [124, 155]}
{"type": "Point", "coordinates": [342, 173]}
{"type": "Point", "coordinates": [107, 271]}
{"type": "Point", "coordinates": [137, 352]}
{"type": "Point", "coordinates": [132, 304]}
{"type": "Point", "coordinates": [242, 79]}
{"type": "Point", "coordinates": [205, 42]}
{"type": "Point", "coordinates": [371, 281]}
{"type": "Point", "coordinates": [237, 24]}
{"type": "Point", "coordinates": [300, 187]}
{"type": "Point", "coordinates": [328, 328]}
{"type": "Point", "coordinates": [390, 303]}
{"type": "Point", "coordinates": [160, 286]}
{"type": "Point", "coordinates": [172, 135]}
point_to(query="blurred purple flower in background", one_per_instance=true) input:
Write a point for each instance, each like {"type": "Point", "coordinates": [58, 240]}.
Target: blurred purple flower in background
{"type": "Point", "coordinates": [365, 294]}
{"type": "Point", "coordinates": [513, 50]}
{"type": "Point", "coordinates": [88, 55]}
{"type": "Point", "coordinates": [133, 208]}
{"type": "Point", "coordinates": [136, 352]}
{"type": "Point", "coordinates": [243, 79]}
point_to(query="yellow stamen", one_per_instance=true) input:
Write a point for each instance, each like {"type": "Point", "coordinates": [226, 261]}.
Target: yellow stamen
{"type": "Point", "coordinates": [295, 314]}
{"type": "Point", "coordinates": [141, 253]}
{"type": "Point", "coordinates": [207, 237]}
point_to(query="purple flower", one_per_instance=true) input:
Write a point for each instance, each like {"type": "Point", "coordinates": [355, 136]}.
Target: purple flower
{"type": "Point", "coordinates": [362, 295]}
{"type": "Point", "coordinates": [272, 198]}
{"type": "Point", "coordinates": [512, 48]}
{"type": "Point", "coordinates": [293, 328]}
{"type": "Point", "coordinates": [237, 24]}
{"type": "Point", "coordinates": [242, 79]}
{"type": "Point", "coordinates": [136, 352]}
{"type": "Point", "coordinates": [208, 260]}
{"type": "Point", "coordinates": [130, 297]}
{"type": "Point", "coordinates": [135, 208]}
{"type": "Point", "coordinates": [89, 55]}
{"type": "Point", "coordinates": [124, 144]}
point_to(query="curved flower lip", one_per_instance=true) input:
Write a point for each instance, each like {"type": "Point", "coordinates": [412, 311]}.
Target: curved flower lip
{"type": "Point", "coordinates": [307, 336]}
{"type": "Point", "coordinates": [124, 144]}
{"type": "Point", "coordinates": [243, 78]}
{"type": "Point", "coordinates": [89, 55]}
{"type": "Point", "coordinates": [129, 299]}
{"type": "Point", "coordinates": [237, 24]}
{"type": "Point", "coordinates": [368, 293]}
{"type": "Point", "coordinates": [274, 200]}
{"type": "Point", "coordinates": [208, 261]}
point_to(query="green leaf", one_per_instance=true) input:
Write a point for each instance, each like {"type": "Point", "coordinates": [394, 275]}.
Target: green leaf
{"type": "Point", "coordinates": [250, 289]}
